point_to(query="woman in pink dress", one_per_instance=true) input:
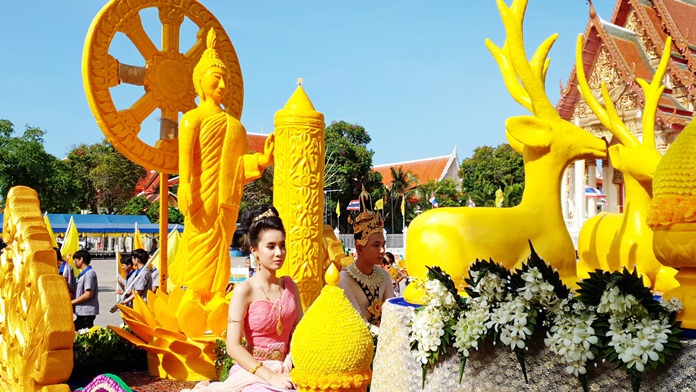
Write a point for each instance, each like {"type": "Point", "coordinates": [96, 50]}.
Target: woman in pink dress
{"type": "Point", "coordinates": [265, 309]}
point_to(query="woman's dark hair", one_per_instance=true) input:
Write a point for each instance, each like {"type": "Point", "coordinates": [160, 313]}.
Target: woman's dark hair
{"type": "Point", "coordinates": [389, 256]}
{"type": "Point", "coordinates": [258, 219]}
{"type": "Point", "coordinates": [142, 255]}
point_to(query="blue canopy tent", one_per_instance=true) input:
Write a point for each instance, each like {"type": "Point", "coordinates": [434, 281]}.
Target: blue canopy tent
{"type": "Point", "coordinates": [99, 233]}
{"type": "Point", "coordinates": [105, 224]}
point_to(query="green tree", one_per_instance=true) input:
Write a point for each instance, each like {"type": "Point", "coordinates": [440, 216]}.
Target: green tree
{"type": "Point", "coordinates": [402, 182]}
{"type": "Point", "coordinates": [174, 217]}
{"type": "Point", "coordinates": [137, 205]}
{"type": "Point", "coordinates": [447, 192]}
{"type": "Point", "coordinates": [24, 161]}
{"type": "Point", "coordinates": [349, 166]}
{"type": "Point", "coordinates": [257, 192]}
{"type": "Point", "coordinates": [106, 178]}
{"type": "Point", "coordinates": [492, 168]}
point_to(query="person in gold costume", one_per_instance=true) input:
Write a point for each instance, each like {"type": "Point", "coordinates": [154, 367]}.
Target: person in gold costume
{"type": "Point", "coordinates": [366, 285]}
{"type": "Point", "coordinates": [214, 166]}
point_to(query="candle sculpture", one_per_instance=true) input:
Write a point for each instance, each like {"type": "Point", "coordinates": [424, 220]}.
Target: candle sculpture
{"type": "Point", "coordinates": [298, 191]}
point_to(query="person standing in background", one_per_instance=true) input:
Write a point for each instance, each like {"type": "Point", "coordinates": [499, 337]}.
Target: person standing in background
{"type": "Point", "coordinates": [66, 271]}
{"type": "Point", "coordinates": [86, 302]}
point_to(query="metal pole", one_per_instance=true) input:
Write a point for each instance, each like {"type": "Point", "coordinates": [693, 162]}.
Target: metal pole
{"type": "Point", "coordinates": [391, 212]}
{"type": "Point", "coordinates": [163, 226]}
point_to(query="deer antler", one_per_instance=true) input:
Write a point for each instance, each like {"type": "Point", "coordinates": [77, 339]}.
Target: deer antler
{"type": "Point", "coordinates": [653, 92]}
{"type": "Point", "coordinates": [609, 117]}
{"type": "Point", "coordinates": [525, 80]}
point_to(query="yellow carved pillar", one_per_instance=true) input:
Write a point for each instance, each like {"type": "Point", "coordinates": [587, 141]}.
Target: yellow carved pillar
{"type": "Point", "coordinates": [298, 190]}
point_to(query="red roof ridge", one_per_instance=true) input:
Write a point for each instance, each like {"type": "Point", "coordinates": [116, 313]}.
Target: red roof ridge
{"type": "Point", "coordinates": [412, 161]}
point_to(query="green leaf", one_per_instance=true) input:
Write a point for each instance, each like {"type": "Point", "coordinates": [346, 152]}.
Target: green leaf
{"type": "Point", "coordinates": [519, 353]}
{"type": "Point", "coordinates": [583, 382]}
{"type": "Point", "coordinates": [462, 364]}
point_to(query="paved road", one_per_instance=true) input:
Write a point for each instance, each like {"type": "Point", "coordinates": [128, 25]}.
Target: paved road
{"type": "Point", "coordinates": [106, 275]}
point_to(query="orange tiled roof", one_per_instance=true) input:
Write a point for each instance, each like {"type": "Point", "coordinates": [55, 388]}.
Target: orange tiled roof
{"type": "Point", "coordinates": [424, 169]}
{"type": "Point", "coordinates": [683, 14]}
{"type": "Point", "coordinates": [256, 141]}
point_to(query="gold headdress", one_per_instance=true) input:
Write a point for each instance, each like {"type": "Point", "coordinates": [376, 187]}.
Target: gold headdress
{"type": "Point", "coordinates": [209, 59]}
{"type": "Point", "coordinates": [367, 222]}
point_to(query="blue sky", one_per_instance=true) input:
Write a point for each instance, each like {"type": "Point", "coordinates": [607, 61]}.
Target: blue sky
{"type": "Point", "coordinates": [415, 74]}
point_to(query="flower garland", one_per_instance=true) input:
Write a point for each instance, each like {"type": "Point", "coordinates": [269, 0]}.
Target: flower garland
{"type": "Point", "coordinates": [612, 315]}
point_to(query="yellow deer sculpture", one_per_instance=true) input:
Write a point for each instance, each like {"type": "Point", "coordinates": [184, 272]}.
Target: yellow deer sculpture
{"type": "Point", "coordinates": [454, 237]}
{"type": "Point", "coordinates": [610, 241]}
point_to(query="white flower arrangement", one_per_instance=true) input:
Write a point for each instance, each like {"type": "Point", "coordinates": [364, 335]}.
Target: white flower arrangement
{"type": "Point", "coordinates": [612, 315]}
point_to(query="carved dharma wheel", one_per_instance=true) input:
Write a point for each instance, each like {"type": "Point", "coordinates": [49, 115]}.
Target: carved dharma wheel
{"type": "Point", "coordinates": [165, 75]}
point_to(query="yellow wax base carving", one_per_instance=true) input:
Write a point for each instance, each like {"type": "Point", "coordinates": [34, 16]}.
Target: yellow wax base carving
{"type": "Point", "coordinates": [676, 246]}
{"type": "Point", "coordinates": [36, 319]}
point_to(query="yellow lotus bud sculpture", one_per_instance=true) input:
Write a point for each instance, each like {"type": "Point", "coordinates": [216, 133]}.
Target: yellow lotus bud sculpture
{"type": "Point", "coordinates": [36, 320]}
{"type": "Point", "coordinates": [672, 216]}
{"type": "Point", "coordinates": [452, 238]}
{"type": "Point", "coordinates": [611, 241]}
{"type": "Point", "coordinates": [332, 348]}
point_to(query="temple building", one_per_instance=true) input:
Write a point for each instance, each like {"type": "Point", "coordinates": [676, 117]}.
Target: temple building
{"type": "Point", "coordinates": [436, 169]}
{"type": "Point", "coordinates": [616, 53]}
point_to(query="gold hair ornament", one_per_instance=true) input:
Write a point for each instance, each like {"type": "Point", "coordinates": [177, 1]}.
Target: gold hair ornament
{"type": "Point", "coordinates": [267, 214]}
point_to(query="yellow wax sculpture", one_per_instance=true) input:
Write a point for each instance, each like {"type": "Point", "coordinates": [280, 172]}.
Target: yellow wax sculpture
{"type": "Point", "coordinates": [452, 238]}
{"type": "Point", "coordinates": [177, 331]}
{"type": "Point", "coordinates": [36, 319]}
{"type": "Point", "coordinates": [332, 348]}
{"type": "Point", "coordinates": [213, 167]}
{"type": "Point", "coordinates": [672, 216]}
{"type": "Point", "coordinates": [611, 241]}
{"type": "Point", "coordinates": [164, 75]}
{"type": "Point", "coordinates": [298, 191]}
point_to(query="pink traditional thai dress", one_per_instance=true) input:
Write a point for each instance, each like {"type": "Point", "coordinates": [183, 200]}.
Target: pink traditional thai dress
{"type": "Point", "coordinates": [263, 342]}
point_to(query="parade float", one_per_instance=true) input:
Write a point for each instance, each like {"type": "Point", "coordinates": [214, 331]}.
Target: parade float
{"type": "Point", "coordinates": [449, 343]}
{"type": "Point", "coordinates": [513, 285]}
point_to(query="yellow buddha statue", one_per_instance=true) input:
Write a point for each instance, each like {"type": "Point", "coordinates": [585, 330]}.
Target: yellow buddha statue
{"type": "Point", "coordinates": [214, 166]}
